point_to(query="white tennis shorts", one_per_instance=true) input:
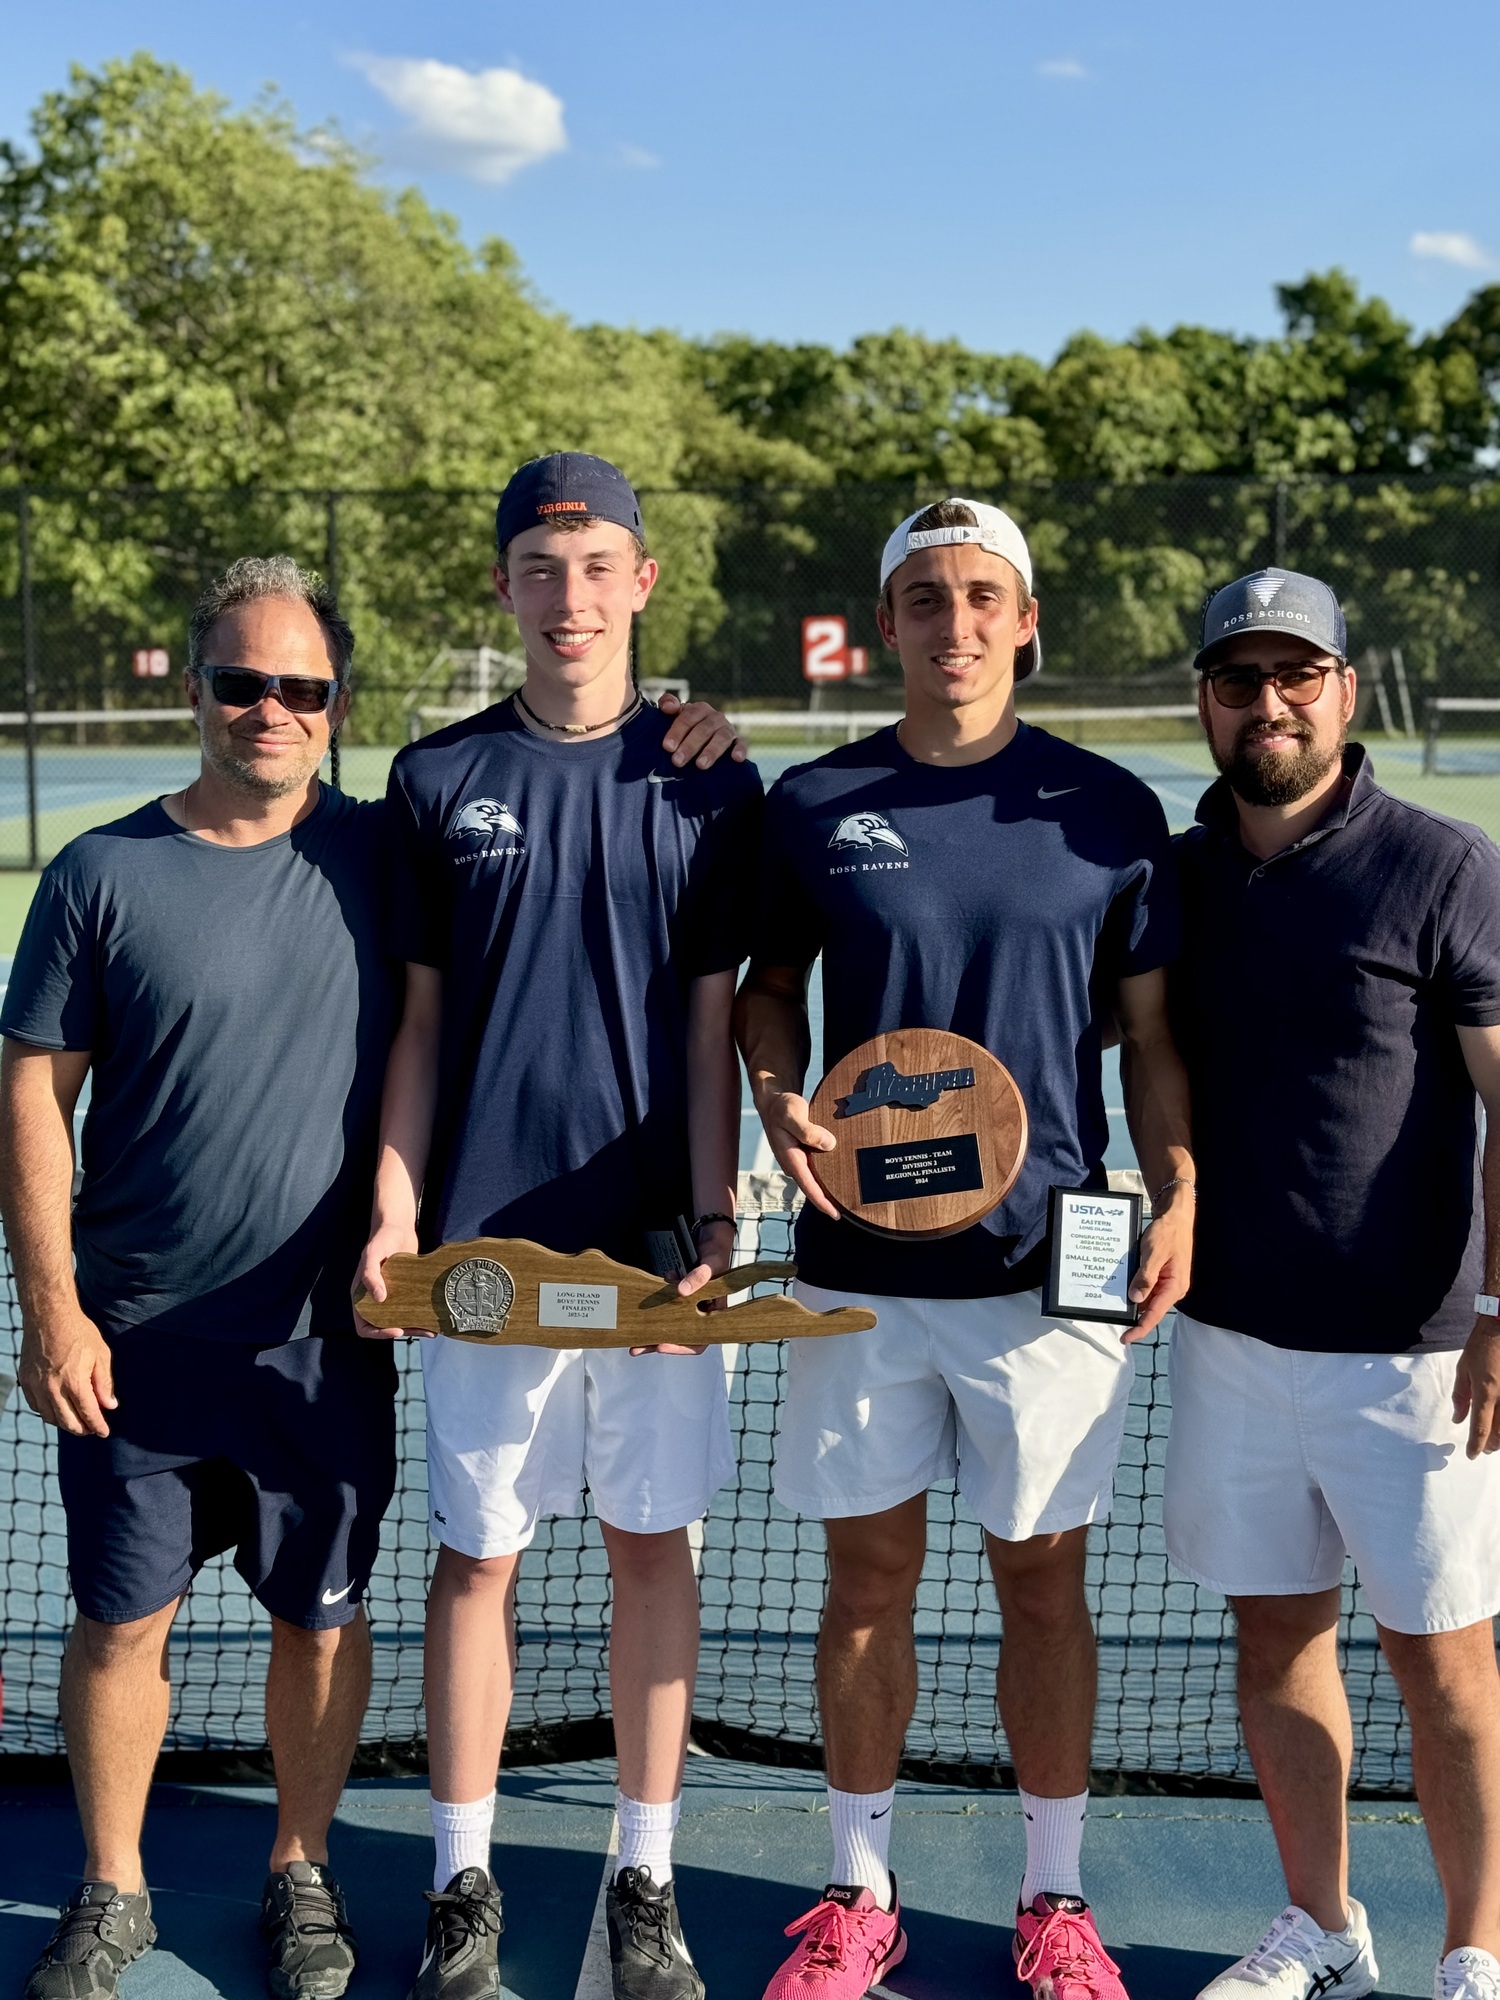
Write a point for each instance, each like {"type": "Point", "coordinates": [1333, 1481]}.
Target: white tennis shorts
{"type": "Point", "coordinates": [1279, 1464]}
{"type": "Point", "coordinates": [517, 1432]}
{"type": "Point", "coordinates": [1027, 1410]}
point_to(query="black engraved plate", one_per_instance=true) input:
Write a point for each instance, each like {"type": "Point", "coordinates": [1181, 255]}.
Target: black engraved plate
{"type": "Point", "coordinates": [919, 1167]}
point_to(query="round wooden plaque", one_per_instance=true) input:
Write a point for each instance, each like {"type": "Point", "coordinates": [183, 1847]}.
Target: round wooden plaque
{"type": "Point", "coordinates": [931, 1131]}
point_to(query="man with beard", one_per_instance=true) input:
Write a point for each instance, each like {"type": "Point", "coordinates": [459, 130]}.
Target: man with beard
{"type": "Point", "coordinates": [1335, 1371]}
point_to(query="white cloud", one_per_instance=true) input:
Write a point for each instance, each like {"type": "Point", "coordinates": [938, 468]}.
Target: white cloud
{"type": "Point", "coordinates": [486, 123]}
{"type": "Point", "coordinates": [638, 157]}
{"type": "Point", "coordinates": [1065, 69]}
{"type": "Point", "coordinates": [1451, 246]}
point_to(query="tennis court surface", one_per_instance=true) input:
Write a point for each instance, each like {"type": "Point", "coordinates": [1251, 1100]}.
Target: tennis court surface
{"type": "Point", "coordinates": [1180, 1886]}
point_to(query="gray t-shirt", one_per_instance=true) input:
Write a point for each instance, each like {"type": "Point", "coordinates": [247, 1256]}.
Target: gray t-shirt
{"type": "Point", "coordinates": [239, 1006]}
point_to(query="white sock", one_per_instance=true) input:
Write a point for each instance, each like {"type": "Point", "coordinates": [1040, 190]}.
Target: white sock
{"type": "Point", "coordinates": [1054, 1840]}
{"type": "Point", "coordinates": [646, 1836]}
{"type": "Point", "coordinates": [862, 1841]}
{"type": "Point", "coordinates": [462, 1834]}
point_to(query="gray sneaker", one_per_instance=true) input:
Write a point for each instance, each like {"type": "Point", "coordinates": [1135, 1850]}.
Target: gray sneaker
{"type": "Point", "coordinates": [462, 1958]}
{"type": "Point", "coordinates": [100, 1932]}
{"type": "Point", "coordinates": [303, 1920]}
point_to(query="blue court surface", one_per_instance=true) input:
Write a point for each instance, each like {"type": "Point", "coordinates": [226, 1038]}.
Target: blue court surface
{"type": "Point", "coordinates": [1180, 1887]}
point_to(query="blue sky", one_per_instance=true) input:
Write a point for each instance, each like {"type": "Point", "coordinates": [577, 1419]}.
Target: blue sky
{"type": "Point", "coordinates": [808, 172]}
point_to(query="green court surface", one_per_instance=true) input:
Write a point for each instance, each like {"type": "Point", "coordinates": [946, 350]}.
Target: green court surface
{"type": "Point", "coordinates": [1180, 1887]}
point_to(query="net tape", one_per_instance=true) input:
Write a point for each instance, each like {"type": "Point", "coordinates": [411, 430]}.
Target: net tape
{"type": "Point", "coordinates": [1166, 1654]}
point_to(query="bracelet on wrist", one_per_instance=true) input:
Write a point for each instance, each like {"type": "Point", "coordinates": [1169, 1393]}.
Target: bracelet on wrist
{"type": "Point", "coordinates": [1177, 1180]}
{"type": "Point", "coordinates": [705, 1221]}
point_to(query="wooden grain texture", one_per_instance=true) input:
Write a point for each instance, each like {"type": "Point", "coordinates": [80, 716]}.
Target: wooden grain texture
{"type": "Point", "coordinates": [992, 1109]}
{"type": "Point", "coordinates": [647, 1309]}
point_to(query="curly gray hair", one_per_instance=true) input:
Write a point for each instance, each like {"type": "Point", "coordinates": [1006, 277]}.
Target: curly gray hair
{"type": "Point", "coordinates": [256, 577]}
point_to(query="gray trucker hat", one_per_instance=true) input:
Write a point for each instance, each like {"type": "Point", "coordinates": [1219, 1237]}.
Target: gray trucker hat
{"type": "Point", "coordinates": [1274, 600]}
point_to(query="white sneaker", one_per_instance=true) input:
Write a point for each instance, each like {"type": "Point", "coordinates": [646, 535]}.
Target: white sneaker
{"type": "Point", "coordinates": [1295, 1960]}
{"type": "Point", "coordinates": [1467, 1974]}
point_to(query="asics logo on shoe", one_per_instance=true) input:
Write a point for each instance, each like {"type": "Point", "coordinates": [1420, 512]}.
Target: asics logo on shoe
{"type": "Point", "coordinates": [1061, 792]}
{"type": "Point", "coordinates": [334, 1596]}
{"type": "Point", "coordinates": [1331, 1976]}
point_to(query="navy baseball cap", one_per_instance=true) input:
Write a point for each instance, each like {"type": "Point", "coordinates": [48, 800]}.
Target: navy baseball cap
{"type": "Point", "coordinates": [562, 484]}
{"type": "Point", "coordinates": [1274, 600]}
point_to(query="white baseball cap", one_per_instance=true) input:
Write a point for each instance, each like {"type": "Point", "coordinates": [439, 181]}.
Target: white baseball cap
{"type": "Point", "coordinates": [994, 530]}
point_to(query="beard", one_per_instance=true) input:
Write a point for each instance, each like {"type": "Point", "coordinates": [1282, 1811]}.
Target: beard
{"type": "Point", "coordinates": [291, 775]}
{"type": "Point", "coordinates": [1277, 777]}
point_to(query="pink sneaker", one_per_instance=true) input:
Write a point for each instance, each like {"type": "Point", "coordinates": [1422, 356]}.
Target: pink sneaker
{"type": "Point", "coordinates": [847, 1943]}
{"type": "Point", "coordinates": [1058, 1953]}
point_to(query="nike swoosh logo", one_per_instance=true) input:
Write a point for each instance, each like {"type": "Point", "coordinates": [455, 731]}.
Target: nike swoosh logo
{"type": "Point", "coordinates": [333, 1596]}
{"type": "Point", "coordinates": [1061, 792]}
{"type": "Point", "coordinates": [662, 777]}
{"type": "Point", "coordinates": [881, 1814]}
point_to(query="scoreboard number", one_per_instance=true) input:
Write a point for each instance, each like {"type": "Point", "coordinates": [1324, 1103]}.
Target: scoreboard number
{"type": "Point", "coordinates": [825, 649]}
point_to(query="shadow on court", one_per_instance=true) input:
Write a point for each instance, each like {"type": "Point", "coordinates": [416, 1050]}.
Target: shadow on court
{"type": "Point", "coordinates": [1180, 1886]}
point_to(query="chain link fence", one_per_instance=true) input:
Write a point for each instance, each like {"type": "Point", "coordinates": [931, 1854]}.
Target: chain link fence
{"type": "Point", "coordinates": [95, 589]}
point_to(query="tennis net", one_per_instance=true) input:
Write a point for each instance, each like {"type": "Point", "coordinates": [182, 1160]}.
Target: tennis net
{"type": "Point", "coordinates": [1166, 1715]}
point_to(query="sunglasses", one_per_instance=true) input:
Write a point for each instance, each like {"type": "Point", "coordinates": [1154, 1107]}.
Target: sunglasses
{"type": "Point", "coordinates": [1299, 683]}
{"type": "Point", "coordinates": [243, 687]}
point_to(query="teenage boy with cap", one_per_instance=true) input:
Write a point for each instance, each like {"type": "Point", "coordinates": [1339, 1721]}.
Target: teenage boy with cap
{"type": "Point", "coordinates": [1020, 889]}
{"type": "Point", "coordinates": [572, 908]}
{"type": "Point", "coordinates": [1335, 1369]}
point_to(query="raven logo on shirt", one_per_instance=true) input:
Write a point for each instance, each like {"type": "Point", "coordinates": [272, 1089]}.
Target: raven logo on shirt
{"type": "Point", "coordinates": [486, 817]}
{"type": "Point", "coordinates": [867, 829]}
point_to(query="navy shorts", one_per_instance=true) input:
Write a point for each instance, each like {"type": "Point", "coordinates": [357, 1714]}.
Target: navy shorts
{"type": "Point", "coordinates": [287, 1455]}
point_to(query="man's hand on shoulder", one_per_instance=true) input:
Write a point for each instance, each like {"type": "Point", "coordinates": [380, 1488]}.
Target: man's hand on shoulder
{"type": "Point", "coordinates": [66, 1375]}
{"type": "Point", "coordinates": [389, 1240]}
{"type": "Point", "coordinates": [699, 734]}
{"type": "Point", "coordinates": [1166, 1263]}
{"type": "Point", "coordinates": [1476, 1388]}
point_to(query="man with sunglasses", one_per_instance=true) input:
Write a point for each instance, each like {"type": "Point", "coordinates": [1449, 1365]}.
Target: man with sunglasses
{"type": "Point", "coordinates": [215, 962]}
{"type": "Point", "coordinates": [1335, 1369]}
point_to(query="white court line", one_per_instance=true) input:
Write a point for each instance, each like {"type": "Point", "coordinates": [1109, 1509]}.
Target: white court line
{"type": "Point", "coordinates": [593, 1975]}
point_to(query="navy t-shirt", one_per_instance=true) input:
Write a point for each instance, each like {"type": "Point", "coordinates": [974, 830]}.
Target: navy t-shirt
{"type": "Point", "coordinates": [992, 899]}
{"type": "Point", "coordinates": [238, 1003]}
{"type": "Point", "coordinates": [1334, 1126]}
{"type": "Point", "coordinates": [568, 892]}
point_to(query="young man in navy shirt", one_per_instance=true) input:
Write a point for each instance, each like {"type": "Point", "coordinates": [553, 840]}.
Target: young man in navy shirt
{"type": "Point", "coordinates": [573, 908]}
{"type": "Point", "coordinates": [1336, 1365]}
{"type": "Point", "coordinates": [964, 871]}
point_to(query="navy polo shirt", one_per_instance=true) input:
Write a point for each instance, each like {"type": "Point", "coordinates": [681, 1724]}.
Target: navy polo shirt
{"type": "Point", "coordinates": [1334, 1120]}
{"type": "Point", "coordinates": [569, 893]}
{"type": "Point", "coordinates": [996, 900]}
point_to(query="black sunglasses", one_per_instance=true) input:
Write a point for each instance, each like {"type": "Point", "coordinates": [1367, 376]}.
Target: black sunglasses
{"type": "Point", "coordinates": [1298, 682]}
{"type": "Point", "coordinates": [243, 687]}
